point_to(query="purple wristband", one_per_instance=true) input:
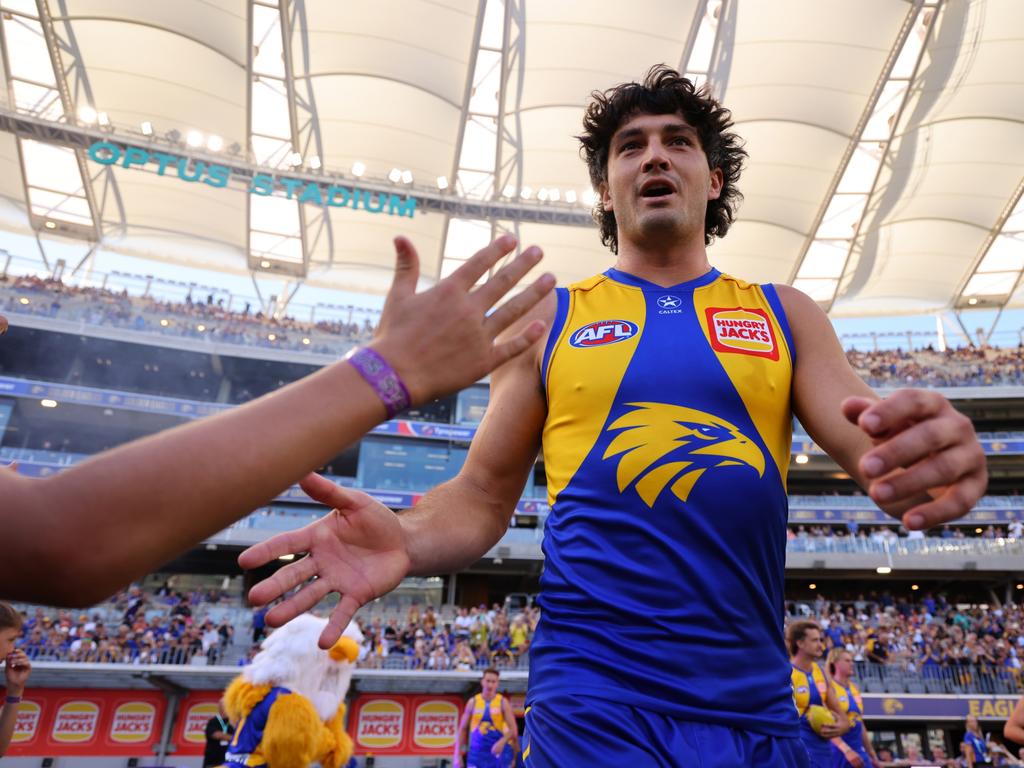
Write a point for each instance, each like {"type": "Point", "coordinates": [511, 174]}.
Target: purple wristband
{"type": "Point", "coordinates": [13, 700]}
{"type": "Point", "coordinates": [382, 377]}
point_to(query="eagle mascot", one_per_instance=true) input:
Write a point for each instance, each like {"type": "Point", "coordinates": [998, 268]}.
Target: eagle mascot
{"type": "Point", "coordinates": [288, 706]}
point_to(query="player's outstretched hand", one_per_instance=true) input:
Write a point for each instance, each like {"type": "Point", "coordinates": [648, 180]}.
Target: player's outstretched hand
{"type": "Point", "coordinates": [357, 550]}
{"type": "Point", "coordinates": [442, 340]}
{"type": "Point", "coordinates": [923, 448]}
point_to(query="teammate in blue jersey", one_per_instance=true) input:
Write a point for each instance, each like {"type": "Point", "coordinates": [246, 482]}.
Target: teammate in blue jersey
{"type": "Point", "coordinates": [855, 744]}
{"type": "Point", "coordinates": [491, 725]}
{"type": "Point", "coordinates": [663, 400]}
{"type": "Point", "coordinates": [813, 688]}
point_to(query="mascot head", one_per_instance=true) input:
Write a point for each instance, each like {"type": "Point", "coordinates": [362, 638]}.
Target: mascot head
{"type": "Point", "coordinates": [290, 657]}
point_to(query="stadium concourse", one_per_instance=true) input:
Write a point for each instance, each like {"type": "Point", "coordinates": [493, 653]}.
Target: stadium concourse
{"type": "Point", "coordinates": [197, 202]}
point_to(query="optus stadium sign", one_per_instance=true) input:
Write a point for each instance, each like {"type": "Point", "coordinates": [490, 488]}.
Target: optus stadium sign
{"type": "Point", "coordinates": [262, 184]}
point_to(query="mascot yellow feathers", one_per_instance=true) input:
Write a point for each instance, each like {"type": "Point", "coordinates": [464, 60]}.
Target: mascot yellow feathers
{"type": "Point", "coordinates": [288, 706]}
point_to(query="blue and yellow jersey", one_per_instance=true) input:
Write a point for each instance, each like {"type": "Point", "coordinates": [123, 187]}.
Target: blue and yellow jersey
{"type": "Point", "coordinates": [809, 690]}
{"type": "Point", "coordinates": [851, 704]}
{"type": "Point", "coordinates": [244, 749]}
{"type": "Point", "coordinates": [487, 725]}
{"type": "Point", "coordinates": [666, 446]}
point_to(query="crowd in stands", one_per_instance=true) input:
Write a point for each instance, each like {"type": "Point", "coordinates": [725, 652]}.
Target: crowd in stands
{"type": "Point", "coordinates": [896, 642]}
{"type": "Point", "coordinates": [955, 367]}
{"type": "Point", "coordinates": [957, 647]}
{"type": "Point", "coordinates": [881, 534]}
{"type": "Point", "coordinates": [961, 366]}
{"type": "Point", "coordinates": [195, 317]}
{"type": "Point", "coordinates": [475, 638]}
{"type": "Point", "coordinates": [164, 628]}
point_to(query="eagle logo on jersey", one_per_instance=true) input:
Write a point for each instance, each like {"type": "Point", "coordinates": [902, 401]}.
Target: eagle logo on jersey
{"type": "Point", "coordinates": [662, 444]}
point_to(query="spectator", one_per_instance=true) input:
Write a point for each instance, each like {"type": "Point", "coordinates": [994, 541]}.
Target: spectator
{"type": "Point", "coordinates": [16, 671]}
{"type": "Point", "coordinates": [259, 624]}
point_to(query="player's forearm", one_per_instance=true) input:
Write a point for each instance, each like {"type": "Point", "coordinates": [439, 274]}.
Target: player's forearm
{"type": "Point", "coordinates": [1014, 732]}
{"type": "Point", "coordinates": [8, 717]}
{"type": "Point", "coordinates": [153, 498]}
{"type": "Point", "coordinates": [453, 526]}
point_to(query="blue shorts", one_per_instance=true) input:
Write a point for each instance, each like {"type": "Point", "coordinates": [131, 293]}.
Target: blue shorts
{"type": "Point", "coordinates": [486, 760]}
{"type": "Point", "coordinates": [820, 752]}
{"type": "Point", "coordinates": [585, 731]}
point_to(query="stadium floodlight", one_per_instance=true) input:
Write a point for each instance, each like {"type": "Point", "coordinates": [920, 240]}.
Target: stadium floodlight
{"type": "Point", "coordinates": [271, 337]}
{"type": "Point", "coordinates": [173, 135]}
{"type": "Point", "coordinates": [555, 194]}
{"type": "Point", "coordinates": [801, 458]}
{"type": "Point", "coordinates": [1020, 586]}
{"type": "Point", "coordinates": [165, 322]}
{"type": "Point", "coordinates": [103, 119]}
{"type": "Point", "coordinates": [914, 587]}
{"type": "Point", "coordinates": [813, 586]}
{"type": "Point", "coordinates": [294, 159]}
{"type": "Point", "coordinates": [48, 403]}
{"type": "Point", "coordinates": [542, 194]}
{"type": "Point", "coordinates": [265, 264]}
{"type": "Point", "coordinates": [395, 176]}
{"type": "Point", "coordinates": [194, 139]}
{"type": "Point", "coordinates": [87, 114]}
{"type": "Point", "coordinates": [508, 191]}
{"type": "Point", "coordinates": [358, 168]}
{"type": "Point", "coordinates": [407, 177]}
{"type": "Point", "coordinates": [442, 182]}
{"type": "Point", "coordinates": [589, 197]}
{"type": "Point", "coordinates": [883, 570]}
{"type": "Point", "coordinates": [972, 301]}
{"type": "Point", "coordinates": [50, 224]}
{"type": "Point", "coordinates": [200, 327]}
{"type": "Point", "coordinates": [570, 196]}
{"type": "Point", "coordinates": [23, 300]}
{"type": "Point", "coordinates": [314, 162]}
{"type": "Point", "coordinates": [215, 143]}
{"type": "Point", "coordinates": [305, 341]}
{"type": "Point", "coordinates": [147, 128]}
{"type": "Point", "coordinates": [526, 193]}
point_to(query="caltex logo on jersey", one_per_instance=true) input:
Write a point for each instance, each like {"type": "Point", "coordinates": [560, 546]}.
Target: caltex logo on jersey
{"type": "Point", "coordinates": [603, 332]}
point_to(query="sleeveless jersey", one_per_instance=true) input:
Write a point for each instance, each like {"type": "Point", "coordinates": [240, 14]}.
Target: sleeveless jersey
{"type": "Point", "coordinates": [852, 706]}
{"type": "Point", "coordinates": [487, 725]}
{"type": "Point", "coordinates": [244, 749]}
{"type": "Point", "coordinates": [666, 446]}
{"type": "Point", "coordinates": [808, 691]}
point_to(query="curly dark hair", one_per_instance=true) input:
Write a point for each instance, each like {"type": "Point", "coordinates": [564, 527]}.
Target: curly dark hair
{"type": "Point", "coordinates": [664, 92]}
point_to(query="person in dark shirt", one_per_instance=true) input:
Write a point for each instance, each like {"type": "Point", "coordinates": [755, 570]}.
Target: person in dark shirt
{"type": "Point", "coordinates": [218, 735]}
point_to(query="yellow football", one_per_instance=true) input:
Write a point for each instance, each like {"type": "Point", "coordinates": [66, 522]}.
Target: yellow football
{"type": "Point", "coordinates": [818, 716]}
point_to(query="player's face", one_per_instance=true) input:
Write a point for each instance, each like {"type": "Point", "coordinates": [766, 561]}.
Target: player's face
{"type": "Point", "coordinates": [489, 685]}
{"type": "Point", "coordinates": [844, 664]}
{"type": "Point", "coordinates": [7, 638]}
{"type": "Point", "coordinates": [812, 644]}
{"type": "Point", "coordinates": [659, 183]}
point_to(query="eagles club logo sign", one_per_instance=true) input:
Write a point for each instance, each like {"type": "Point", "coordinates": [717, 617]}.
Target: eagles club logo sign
{"type": "Point", "coordinates": [662, 445]}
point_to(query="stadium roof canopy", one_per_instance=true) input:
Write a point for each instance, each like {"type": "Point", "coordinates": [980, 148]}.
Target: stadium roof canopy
{"type": "Point", "coordinates": [886, 137]}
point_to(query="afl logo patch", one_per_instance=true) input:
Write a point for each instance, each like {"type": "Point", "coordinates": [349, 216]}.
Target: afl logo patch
{"type": "Point", "coordinates": [742, 331]}
{"type": "Point", "coordinates": [603, 332]}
